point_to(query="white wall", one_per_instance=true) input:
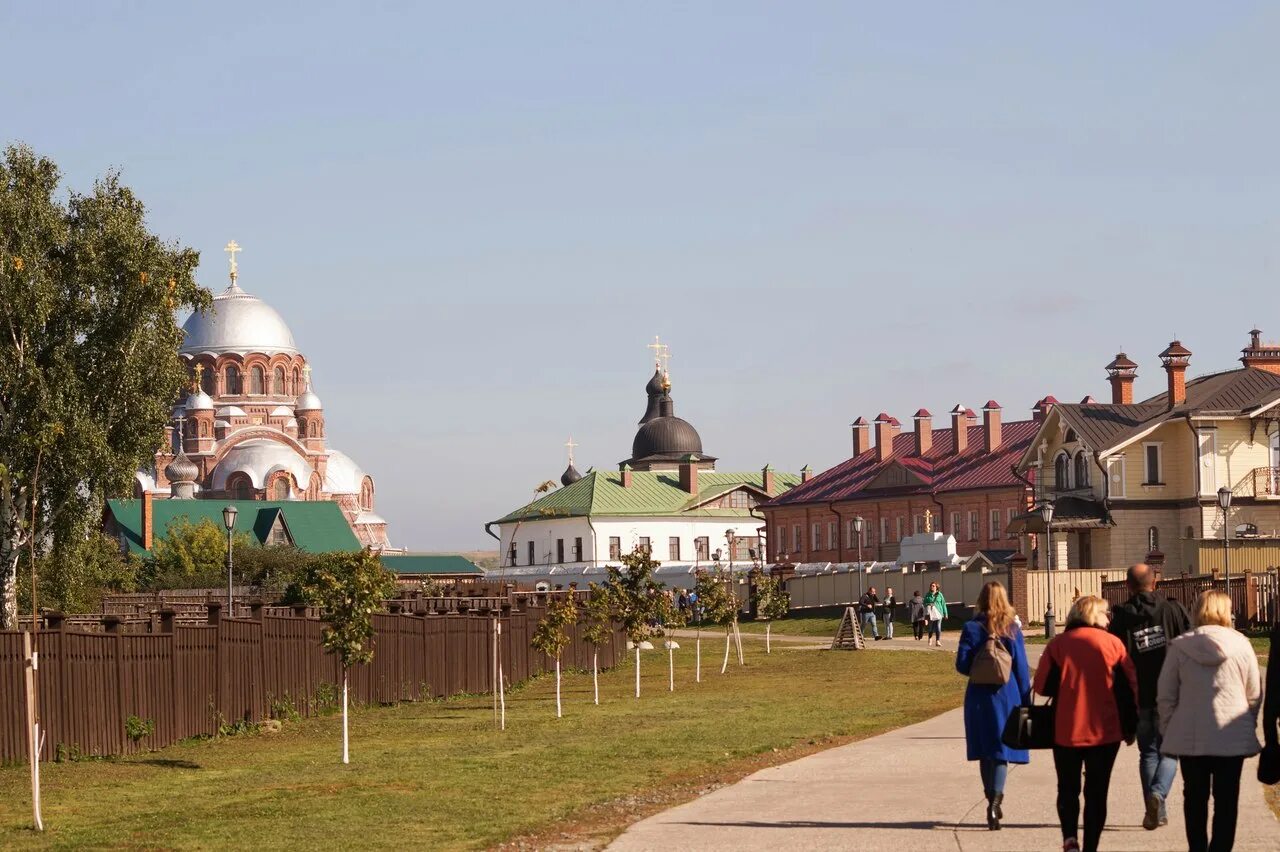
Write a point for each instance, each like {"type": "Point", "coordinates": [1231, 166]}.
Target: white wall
{"type": "Point", "coordinates": [544, 533]}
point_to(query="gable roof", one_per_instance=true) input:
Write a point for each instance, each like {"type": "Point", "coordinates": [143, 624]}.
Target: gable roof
{"type": "Point", "coordinates": [428, 563]}
{"type": "Point", "coordinates": [652, 493]}
{"type": "Point", "coordinates": [938, 470]}
{"type": "Point", "coordinates": [316, 526]}
{"type": "Point", "coordinates": [1233, 393]}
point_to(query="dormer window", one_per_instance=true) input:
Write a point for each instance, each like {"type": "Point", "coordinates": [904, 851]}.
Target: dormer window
{"type": "Point", "coordinates": [1081, 470]}
{"type": "Point", "coordinates": [1071, 436]}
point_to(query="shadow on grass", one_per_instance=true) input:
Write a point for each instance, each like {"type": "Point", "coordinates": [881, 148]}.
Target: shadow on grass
{"type": "Point", "coordinates": [169, 763]}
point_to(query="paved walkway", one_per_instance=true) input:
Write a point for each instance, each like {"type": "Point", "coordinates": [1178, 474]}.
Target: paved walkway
{"type": "Point", "coordinates": [912, 789]}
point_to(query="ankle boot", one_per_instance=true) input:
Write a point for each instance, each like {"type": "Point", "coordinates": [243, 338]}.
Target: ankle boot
{"type": "Point", "coordinates": [996, 801]}
{"type": "Point", "coordinates": [993, 811]}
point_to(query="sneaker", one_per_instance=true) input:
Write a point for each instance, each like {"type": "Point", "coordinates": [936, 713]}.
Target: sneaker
{"type": "Point", "coordinates": [1155, 807]}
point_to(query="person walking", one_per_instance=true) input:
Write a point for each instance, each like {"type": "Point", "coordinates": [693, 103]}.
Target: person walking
{"type": "Point", "coordinates": [1208, 696]}
{"type": "Point", "coordinates": [915, 612]}
{"type": "Point", "coordinates": [867, 611]}
{"type": "Point", "coordinates": [1088, 673]}
{"type": "Point", "coordinates": [935, 609]}
{"type": "Point", "coordinates": [890, 604]}
{"type": "Point", "coordinates": [1146, 623]}
{"type": "Point", "coordinates": [987, 704]}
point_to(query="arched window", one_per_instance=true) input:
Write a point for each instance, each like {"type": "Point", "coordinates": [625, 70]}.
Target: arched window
{"type": "Point", "coordinates": [204, 428]}
{"type": "Point", "coordinates": [1153, 539]}
{"type": "Point", "coordinates": [1062, 472]}
{"type": "Point", "coordinates": [257, 381]}
{"type": "Point", "coordinates": [311, 429]}
{"type": "Point", "coordinates": [207, 383]}
{"type": "Point", "coordinates": [297, 390]}
{"type": "Point", "coordinates": [280, 489]}
{"type": "Point", "coordinates": [366, 495]}
{"type": "Point", "coordinates": [240, 487]}
{"type": "Point", "coordinates": [277, 381]}
{"type": "Point", "coordinates": [231, 381]}
{"type": "Point", "coordinates": [1082, 470]}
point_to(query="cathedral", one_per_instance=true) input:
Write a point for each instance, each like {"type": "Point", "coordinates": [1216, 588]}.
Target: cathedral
{"type": "Point", "coordinates": [251, 427]}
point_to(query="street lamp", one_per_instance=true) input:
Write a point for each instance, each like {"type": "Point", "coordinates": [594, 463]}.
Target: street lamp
{"type": "Point", "coordinates": [858, 524]}
{"type": "Point", "coordinates": [1224, 503]}
{"type": "Point", "coordinates": [729, 536]}
{"type": "Point", "coordinates": [1050, 620]}
{"type": "Point", "coordinates": [229, 521]}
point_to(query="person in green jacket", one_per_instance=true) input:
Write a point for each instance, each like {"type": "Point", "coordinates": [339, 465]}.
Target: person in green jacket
{"type": "Point", "coordinates": [935, 609]}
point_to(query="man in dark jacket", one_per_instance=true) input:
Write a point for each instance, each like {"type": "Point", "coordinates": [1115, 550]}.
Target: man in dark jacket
{"type": "Point", "coordinates": [867, 612]}
{"type": "Point", "coordinates": [1147, 623]}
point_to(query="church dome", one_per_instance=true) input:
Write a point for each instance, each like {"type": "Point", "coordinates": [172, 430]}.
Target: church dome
{"type": "Point", "coordinates": [308, 401]}
{"type": "Point", "coordinates": [181, 469]}
{"type": "Point", "coordinates": [199, 401]}
{"type": "Point", "coordinates": [666, 436]}
{"type": "Point", "coordinates": [342, 475]}
{"type": "Point", "coordinates": [259, 458]}
{"type": "Point", "coordinates": [237, 322]}
{"type": "Point", "coordinates": [570, 475]}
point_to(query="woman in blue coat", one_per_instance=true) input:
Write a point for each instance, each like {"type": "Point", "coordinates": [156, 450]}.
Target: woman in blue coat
{"type": "Point", "coordinates": [987, 708]}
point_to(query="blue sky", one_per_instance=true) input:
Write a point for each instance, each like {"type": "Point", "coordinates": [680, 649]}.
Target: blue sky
{"type": "Point", "coordinates": [475, 216]}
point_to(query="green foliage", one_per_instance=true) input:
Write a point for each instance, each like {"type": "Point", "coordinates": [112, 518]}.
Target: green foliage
{"type": "Point", "coordinates": [599, 615]}
{"type": "Point", "coordinates": [431, 587]}
{"type": "Point", "coordinates": [193, 556]}
{"type": "Point", "coordinates": [551, 634]}
{"type": "Point", "coordinates": [635, 598]}
{"type": "Point", "coordinates": [136, 728]}
{"type": "Point", "coordinates": [284, 709]}
{"type": "Point", "coordinates": [325, 700]}
{"type": "Point", "coordinates": [348, 588]}
{"type": "Point", "coordinates": [716, 601]}
{"type": "Point", "coordinates": [772, 600]}
{"type": "Point", "coordinates": [89, 359]}
{"type": "Point", "coordinates": [272, 566]}
{"type": "Point", "coordinates": [75, 575]}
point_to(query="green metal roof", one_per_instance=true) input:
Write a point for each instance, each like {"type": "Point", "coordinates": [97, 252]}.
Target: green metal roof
{"type": "Point", "coordinates": [652, 493]}
{"type": "Point", "coordinates": [317, 526]}
{"type": "Point", "coordinates": [428, 563]}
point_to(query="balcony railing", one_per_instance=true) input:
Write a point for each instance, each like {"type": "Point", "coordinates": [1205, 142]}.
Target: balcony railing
{"type": "Point", "coordinates": [1266, 482]}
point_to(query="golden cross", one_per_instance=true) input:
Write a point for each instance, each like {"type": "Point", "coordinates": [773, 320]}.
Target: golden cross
{"type": "Point", "coordinates": [570, 445]}
{"type": "Point", "coordinates": [199, 378]}
{"type": "Point", "coordinates": [928, 520]}
{"type": "Point", "coordinates": [231, 249]}
{"type": "Point", "coordinates": [657, 348]}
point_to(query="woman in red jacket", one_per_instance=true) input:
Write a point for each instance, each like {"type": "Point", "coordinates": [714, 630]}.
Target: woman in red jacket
{"type": "Point", "coordinates": [1092, 680]}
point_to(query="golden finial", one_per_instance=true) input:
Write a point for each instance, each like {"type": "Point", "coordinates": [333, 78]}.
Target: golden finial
{"type": "Point", "coordinates": [306, 377]}
{"type": "Point", "coordinates": [199, 378]}
{"type": "Point", "coordinates": [231, 249]}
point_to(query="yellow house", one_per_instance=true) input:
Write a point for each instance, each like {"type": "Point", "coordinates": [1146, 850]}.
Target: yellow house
{"type": "Point", "coordinates": [1128, 479]}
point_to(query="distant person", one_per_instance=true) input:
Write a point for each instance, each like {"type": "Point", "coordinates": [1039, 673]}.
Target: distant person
{"type": "Point", "coordinates": [987, 704]}
{"type": "Point", "coordinates": [1146, 623]}
{"type": "Point", "coordinates": [1092, 680]}
{"type": "Point", "coordinates": [890, 604]}
{"type": "Point", "coordinates": [867, 612]}
{"type": "Point", "coordinates": [915, 612]}
{"type": "Point", "coordinates": [1271, 709]}
{"type": "Point", "coordinates": [695, 608]}
{"type": "Point", "coordinates": [935, 609]}
{"type": "Point", "coordinates": [1208, 695]}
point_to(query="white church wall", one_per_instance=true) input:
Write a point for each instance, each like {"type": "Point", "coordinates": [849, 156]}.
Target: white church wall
{"type": "Point", "coordinates": [544, 534]}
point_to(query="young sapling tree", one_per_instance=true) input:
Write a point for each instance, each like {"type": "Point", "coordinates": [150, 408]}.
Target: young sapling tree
{"type": "Point", "coordinates": [772, 603]}
{"type": "Point", "coordinates": [551, 635]}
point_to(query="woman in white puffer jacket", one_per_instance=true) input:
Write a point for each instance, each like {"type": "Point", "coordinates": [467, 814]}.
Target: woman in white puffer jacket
{"type": "Point", "coordinates": [1208, 697]}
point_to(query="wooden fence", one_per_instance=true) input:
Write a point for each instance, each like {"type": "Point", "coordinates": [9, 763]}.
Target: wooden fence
{"type": "Point", "coordinates": [191, 678]}
{"type": "Point", "coordinates": [1255, 597]}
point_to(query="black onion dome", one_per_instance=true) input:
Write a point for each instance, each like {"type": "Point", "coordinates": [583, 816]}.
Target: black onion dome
{"type": "Point", "coordinates": [569, 476]}
{"type": "Point", "coordinates": [655, 390]}
{"type": "Point", "coordinates": [666, 436]}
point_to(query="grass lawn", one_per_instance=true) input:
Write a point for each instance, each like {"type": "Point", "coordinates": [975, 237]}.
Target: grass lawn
{"type": "Point", "coordinates": [802, 624]}
{"type": "Point", "coordinates": [437, 774]}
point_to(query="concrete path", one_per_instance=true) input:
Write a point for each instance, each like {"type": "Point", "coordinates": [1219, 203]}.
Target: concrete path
{"type": "Point", "coordinates": [912, 789]}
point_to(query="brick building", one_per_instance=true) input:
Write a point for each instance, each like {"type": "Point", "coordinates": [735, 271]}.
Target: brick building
{"type": "Point", "coordinates": [962, 477]}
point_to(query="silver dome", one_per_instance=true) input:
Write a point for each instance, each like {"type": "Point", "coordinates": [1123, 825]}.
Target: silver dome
{"type": "Point", "coordinates": [308, 401]}
{"type": "Point", "coordinates": [199, 401]}
{"type": "Point", "coordinates": [237, 322]}
{"type": "Point", "coordinates": [259, 458]}
{"type": "Point", "coordinates": [342, 475]}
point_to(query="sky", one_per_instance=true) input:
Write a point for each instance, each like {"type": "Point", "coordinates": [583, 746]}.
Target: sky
{"type": "Point", "coordinates": [475, 216]}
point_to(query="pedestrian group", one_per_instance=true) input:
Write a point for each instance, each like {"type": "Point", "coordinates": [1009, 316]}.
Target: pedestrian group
{"type": "Point", "coordinates": [1184, 688]}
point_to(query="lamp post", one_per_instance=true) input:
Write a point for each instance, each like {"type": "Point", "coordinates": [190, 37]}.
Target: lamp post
{"type": "Point", "coordinates": [729, 536]}
{"type": "Point", "coordinates": [1050, 619]}
{"type": "Point", "coordinates": [1224, 503]}
{"type": "Point", "coordinates": [229, 521]}
{"type": "Point", "coordinates": [859, 523]}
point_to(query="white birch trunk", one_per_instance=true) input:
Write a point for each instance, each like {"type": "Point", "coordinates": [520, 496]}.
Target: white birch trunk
{"type": "Point", "coordinates": [346, 754]}
{"type": "Point", "coordinates": [502, 700]}
{"type": "Point", "coordinates": [559, 714]}
{"type": "Point", "coordinates": [595, 673]}
{"type": "Point", "coordinates": [637, 670]}
{"type": "Point", "coordinates": [697, 669]}
{"type": "Point", "coordinates": [728, 640]}
{"type": "Point", "coordinates": [671, 670]}
{"type": "Point", "coordinates": [768, 626]}
{"type": "Point", "coordinates": [737, 637]}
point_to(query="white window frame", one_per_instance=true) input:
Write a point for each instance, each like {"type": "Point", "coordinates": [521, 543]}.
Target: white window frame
{"type": "Point", "coordinates": [899, 525]}
{"type": "Point", "coordinates": [796, 538]}
{"type": "Point", "coordinates": [833, 530]}
{"type": "Point", "coordinates": [956, 518]}
{"type": "Point", "coordinates": [815, 536]}
{"type": "Point", "coordinates": [1146, 464]}
{"type": "Point", "coordinates": [1116, 473]}
{"type": "Point", "coordinates": [1207, 438]}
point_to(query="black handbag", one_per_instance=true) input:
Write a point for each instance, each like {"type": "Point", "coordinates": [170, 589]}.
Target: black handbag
{"type": "Point", "coordinates": [1029, 727]}
{"type": "Point", "coordinates": [1269, 764]}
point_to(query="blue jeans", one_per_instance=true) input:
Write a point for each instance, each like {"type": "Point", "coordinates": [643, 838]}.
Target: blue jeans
{"type": "Point", "coordinates": [994, 772]}
{"type": "Point", "coordinates": [935, 629]}
{"type": "Point", "coordinates": [888, 625]}
{"type": "Point", "coordinates": [869, 620]}
{"type": "Point", "coordinates": [1156, 770]}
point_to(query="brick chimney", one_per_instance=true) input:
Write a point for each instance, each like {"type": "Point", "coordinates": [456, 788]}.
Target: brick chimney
{"type": "Point", "coordinates": [924, 431]}
{"type": "Point", "coordinates": [1175, 358]}
{"type": "Point", "coordinates": [1263, 356]}
{"type": "Point", "coordinates": [689, 473]}
{"type": "Point", "coordinates": [861, 436]}
{"type": "Point", "coordinates": [1121, 372]}
{"type": "Point", "coordinates": [886, 431]}
{"type": "Point", "coordinates": [991, 425]}
{"type": "Point", "coordinates": [1041, 409]}
{"type": "Point", "coordinates": [769, 480]}
{"type": "Point", "coordinates": [625, 471]}
{"type": "Point", "coordinates": [806, 473]}
{"type": "Point", "coordinates": [959, 429]}
{"type": "Point", "coordinates": [148, 520]}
